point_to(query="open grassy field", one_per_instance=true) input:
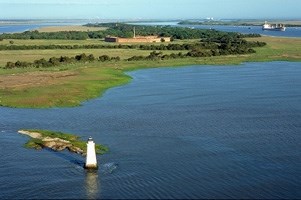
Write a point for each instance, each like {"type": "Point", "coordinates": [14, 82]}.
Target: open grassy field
{"type": "Point", "coordinates": [72, 84]}
{"type": "Point", "coordinates": [31, 55]}
{"type": "Point", "coordinates": [278, 49]}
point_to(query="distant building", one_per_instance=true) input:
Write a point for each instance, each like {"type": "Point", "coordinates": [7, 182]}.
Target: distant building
{"type": "Point", "coordinates": [137, 39]}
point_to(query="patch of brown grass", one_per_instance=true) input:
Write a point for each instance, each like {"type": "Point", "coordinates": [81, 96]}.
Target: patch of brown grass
{"type": "Point", "coordinates": [29, 79]}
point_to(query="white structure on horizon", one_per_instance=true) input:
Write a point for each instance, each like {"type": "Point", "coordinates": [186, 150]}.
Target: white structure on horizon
{"type": "Point", "coordinates": [209, 18]}
{"type": "Point", "coordinates": [91, 161]}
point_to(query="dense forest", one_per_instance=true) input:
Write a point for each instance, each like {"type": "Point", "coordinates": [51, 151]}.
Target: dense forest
{"type": "Point", "coordinates": [126, 30]}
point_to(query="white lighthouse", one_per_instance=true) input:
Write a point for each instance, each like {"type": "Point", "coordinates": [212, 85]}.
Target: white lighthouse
{"type": "Point", "coordinates": [91, 162]}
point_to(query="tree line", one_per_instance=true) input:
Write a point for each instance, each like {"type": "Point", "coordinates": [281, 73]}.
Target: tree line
{"type": "Point", "coordinates": [42, 47]}
{"type": "Point", "coordinates": [57, 61]}
{"type": "Point", "coordinates": [205, 44]}
{"type": "Point", "coordinates": [220, 51]}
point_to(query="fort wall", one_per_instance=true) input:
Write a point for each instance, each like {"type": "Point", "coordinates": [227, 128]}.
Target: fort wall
{"type": "Point", "coordinates": [140, 39]}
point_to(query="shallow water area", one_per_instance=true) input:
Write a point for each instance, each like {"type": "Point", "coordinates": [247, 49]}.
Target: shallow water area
{"type": "Point", "coordinates": [189, 132]}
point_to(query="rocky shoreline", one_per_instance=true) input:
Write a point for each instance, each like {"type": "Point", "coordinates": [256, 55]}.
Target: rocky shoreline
{"type": "Point", "coordinates": [55, 143]}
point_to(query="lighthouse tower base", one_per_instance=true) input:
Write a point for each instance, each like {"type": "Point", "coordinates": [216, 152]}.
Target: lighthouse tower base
{"type": "Point", "coordinates": [91, 166]}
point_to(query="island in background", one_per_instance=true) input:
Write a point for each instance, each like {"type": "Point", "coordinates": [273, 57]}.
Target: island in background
{"type": "Point", "coordinates": [241, 22]}
{"type": "Point", "coordinates": [63, 69]}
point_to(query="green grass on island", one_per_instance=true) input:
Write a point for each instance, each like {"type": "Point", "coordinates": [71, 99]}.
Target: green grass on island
{"type": "Point", "coordinates": [38, 143]}
{"type": "Point", "coordinates": [71, 84]}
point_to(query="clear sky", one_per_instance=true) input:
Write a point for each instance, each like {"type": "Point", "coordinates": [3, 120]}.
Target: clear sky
{"type": "Point", "coordinates": [149, 9]}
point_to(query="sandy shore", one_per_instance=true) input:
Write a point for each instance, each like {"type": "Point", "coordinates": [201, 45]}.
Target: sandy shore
{"type": "Point", "coordinates": [70, 28]}
{"type": "Point", "coordinates": [31, 134]}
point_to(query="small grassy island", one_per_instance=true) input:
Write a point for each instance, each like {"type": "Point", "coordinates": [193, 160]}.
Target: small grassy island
{"type": "Point", "coordinates": [58, 141]}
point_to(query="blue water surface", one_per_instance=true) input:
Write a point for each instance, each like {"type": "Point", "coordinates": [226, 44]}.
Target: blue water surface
{"type": "Point", "coordinates": [189, 132]}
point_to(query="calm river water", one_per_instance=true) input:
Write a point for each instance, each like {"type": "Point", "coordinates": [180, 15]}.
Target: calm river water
{"type": "Point", "coordinates": [190, 132]}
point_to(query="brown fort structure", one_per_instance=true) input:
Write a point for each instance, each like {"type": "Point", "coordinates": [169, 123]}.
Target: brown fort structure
{"type": "Point", "coordinates": [137, 39]}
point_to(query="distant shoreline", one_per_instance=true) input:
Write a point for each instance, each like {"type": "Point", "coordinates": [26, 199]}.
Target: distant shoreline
{"type": "Point", "coordinates": [288, 23]}
{"type": "Point", "coordinates": [52, 22]}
